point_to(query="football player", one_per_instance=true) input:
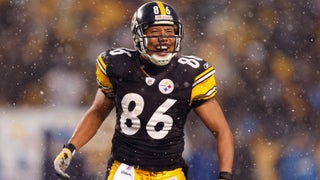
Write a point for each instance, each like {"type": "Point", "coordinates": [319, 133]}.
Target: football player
{"type": "Point", "coordinates": [153, 89]}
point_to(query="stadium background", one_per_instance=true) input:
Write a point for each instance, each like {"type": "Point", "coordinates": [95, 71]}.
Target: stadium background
{"type": "Point", "coordinates": [267, 60]}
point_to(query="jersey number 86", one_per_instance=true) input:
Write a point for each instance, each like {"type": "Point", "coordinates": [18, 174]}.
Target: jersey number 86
{"type": "Point", "coordinates": [158, 125]}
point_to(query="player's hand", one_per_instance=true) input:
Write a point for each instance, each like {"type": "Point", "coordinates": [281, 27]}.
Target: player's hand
{"type": "Point", "coordinates": [62, 161]}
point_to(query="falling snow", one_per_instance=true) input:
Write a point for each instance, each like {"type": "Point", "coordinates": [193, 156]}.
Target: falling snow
{"type": "Point", "coordinates": [266, 57]}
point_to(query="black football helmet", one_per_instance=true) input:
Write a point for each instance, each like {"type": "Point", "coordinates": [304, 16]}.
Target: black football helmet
{"type": "Point", "coordinates": [155, 13]}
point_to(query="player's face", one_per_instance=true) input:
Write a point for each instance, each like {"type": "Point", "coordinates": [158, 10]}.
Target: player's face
{"type": "Point", "coordinates": [162, 39]}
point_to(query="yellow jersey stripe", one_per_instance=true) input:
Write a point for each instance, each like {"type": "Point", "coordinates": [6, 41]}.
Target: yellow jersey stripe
{"type": "Point", "coordinates": [98, 65]}
{"type": "Point", "coordinates": [204, 86]}
{"type": "Point", "coordinates": [203, 76]}
{"type": "Point", "coordinates": [101, 76]}
{"type": "Point", "coordinates": [200, 93]}
{"type": "Point", "coordinates": [203, 73]}
{"type": "Point", "coordinates": [101, 62]}
{"type": "Point", "coordinates": [161, 7]}
{"type": "Point", "coordinates": [211, 91]}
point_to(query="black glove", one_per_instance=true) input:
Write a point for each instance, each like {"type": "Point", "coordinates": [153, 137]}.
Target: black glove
{"type": "Point", "coordinates": [225, 175]}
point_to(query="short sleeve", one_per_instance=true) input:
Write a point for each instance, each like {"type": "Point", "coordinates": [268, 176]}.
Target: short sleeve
{"type": "Point", "coordinates": [103, 80]}
{"type": "Point", "coordinates": [204, 86]}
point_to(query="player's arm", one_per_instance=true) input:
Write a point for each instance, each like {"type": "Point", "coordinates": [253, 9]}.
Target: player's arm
{"type": "Point", "coordinates": [212, 116]}
{"type": "Point", "coordinates": [92, 120]}
{"type": "Point", "coordinates": [208, 109]}
{"type": "Point", "coordinates": [100, 108]}
{"type": "Point", "coordinates": [84, 131]}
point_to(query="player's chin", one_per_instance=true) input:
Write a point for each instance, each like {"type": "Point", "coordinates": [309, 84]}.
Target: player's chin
{"type": "Point", "coordinates": [162, 53]}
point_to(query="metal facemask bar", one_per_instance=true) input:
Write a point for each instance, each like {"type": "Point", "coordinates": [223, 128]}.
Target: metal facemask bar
{"type": "Point", "coordinates": [161, 44]}
{"type": "Point", "coordinates": [144, 39]}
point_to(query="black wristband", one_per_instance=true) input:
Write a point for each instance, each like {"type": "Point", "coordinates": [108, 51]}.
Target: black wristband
{"type": "Point", "coordinates": [71, 147]}
{"type": "Point", "coordinates": [225, 175]}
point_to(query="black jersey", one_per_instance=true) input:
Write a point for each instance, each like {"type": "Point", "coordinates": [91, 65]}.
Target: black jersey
{"type": "Point", "coordinates": [152, 110]}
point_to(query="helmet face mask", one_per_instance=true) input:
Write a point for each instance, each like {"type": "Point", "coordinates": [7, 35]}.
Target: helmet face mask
{"type": "Point", "coordinates": [151, 14]}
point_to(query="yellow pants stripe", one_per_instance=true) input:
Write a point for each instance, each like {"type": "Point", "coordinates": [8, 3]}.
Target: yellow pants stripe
{"type": "Point", "coordinates": [176, 174]}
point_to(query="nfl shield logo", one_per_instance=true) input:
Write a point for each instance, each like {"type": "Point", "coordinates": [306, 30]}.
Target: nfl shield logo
{"type": "Point", "coordinates": [149, 81]}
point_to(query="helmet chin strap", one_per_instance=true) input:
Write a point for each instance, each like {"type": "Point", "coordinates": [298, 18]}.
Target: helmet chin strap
{"type": "Point", "coordinates": [154, 58]}
{"type": "Point", "coordinates": [159, 60]}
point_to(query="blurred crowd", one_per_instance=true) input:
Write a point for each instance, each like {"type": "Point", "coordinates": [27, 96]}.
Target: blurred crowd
{"type": "Point", "coordinates": [266, 54]}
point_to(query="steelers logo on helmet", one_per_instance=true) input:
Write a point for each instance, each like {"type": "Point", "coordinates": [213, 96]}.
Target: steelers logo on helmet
{"type": "Point", "coordinates": [166, 86]}
{"type": "Point", "coordinates": [155, 13]}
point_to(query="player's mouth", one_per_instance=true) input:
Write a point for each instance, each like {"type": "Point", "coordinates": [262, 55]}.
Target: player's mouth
{"type": "Point", "coordinates": [162, 50]}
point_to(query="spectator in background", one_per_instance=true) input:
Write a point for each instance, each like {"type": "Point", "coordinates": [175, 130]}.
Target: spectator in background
{"type": "Point", "coordinates": [298, 161]}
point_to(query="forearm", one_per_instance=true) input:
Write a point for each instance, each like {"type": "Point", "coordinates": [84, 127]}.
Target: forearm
{"type": "Point", "coordinates": [225, 151]}
{"type": "Point", "coordinates": [92, 120]}
{"type": "Point", "coordinates": [86, 129]}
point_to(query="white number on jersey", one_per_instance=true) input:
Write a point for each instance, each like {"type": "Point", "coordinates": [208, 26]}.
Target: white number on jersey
{"type": "Point", "coordinates": [158, 125]}
{"type": "Point", "coordinates": [119, 51]}
{"type": "Point", "coordinates": [131, 115]}
{"type": "Point", "coordinates": [190, 60]}
{"type": "Point", "coordinates": [159, 117]}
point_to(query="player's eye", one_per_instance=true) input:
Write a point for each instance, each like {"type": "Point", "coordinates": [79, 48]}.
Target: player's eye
{"type": "Point", "coordinates": [155, 31]}
{"type": "Point", "coordinates": [170, 32]}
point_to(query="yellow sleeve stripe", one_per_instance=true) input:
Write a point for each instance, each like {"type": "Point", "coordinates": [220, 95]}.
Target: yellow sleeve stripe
{"type": "Point", "coordinates": [101, 62]}
{"type": "Point", "coordinates": [204, 86]}
{"type": "Point", "coordinates": [203, 76]}
{"type": "Point", "coordinates": [201, 92]}
{"type": "Point", "coordinates": [106, 89]}
{"type": "Point", "coordinates": [161, 7]}
{"type": "Point", "coordinates": [102, 78]}
{"type": "Point", "coordinates": [102, 66]}
{"type": "Point", "coordinates": [211, 92]}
